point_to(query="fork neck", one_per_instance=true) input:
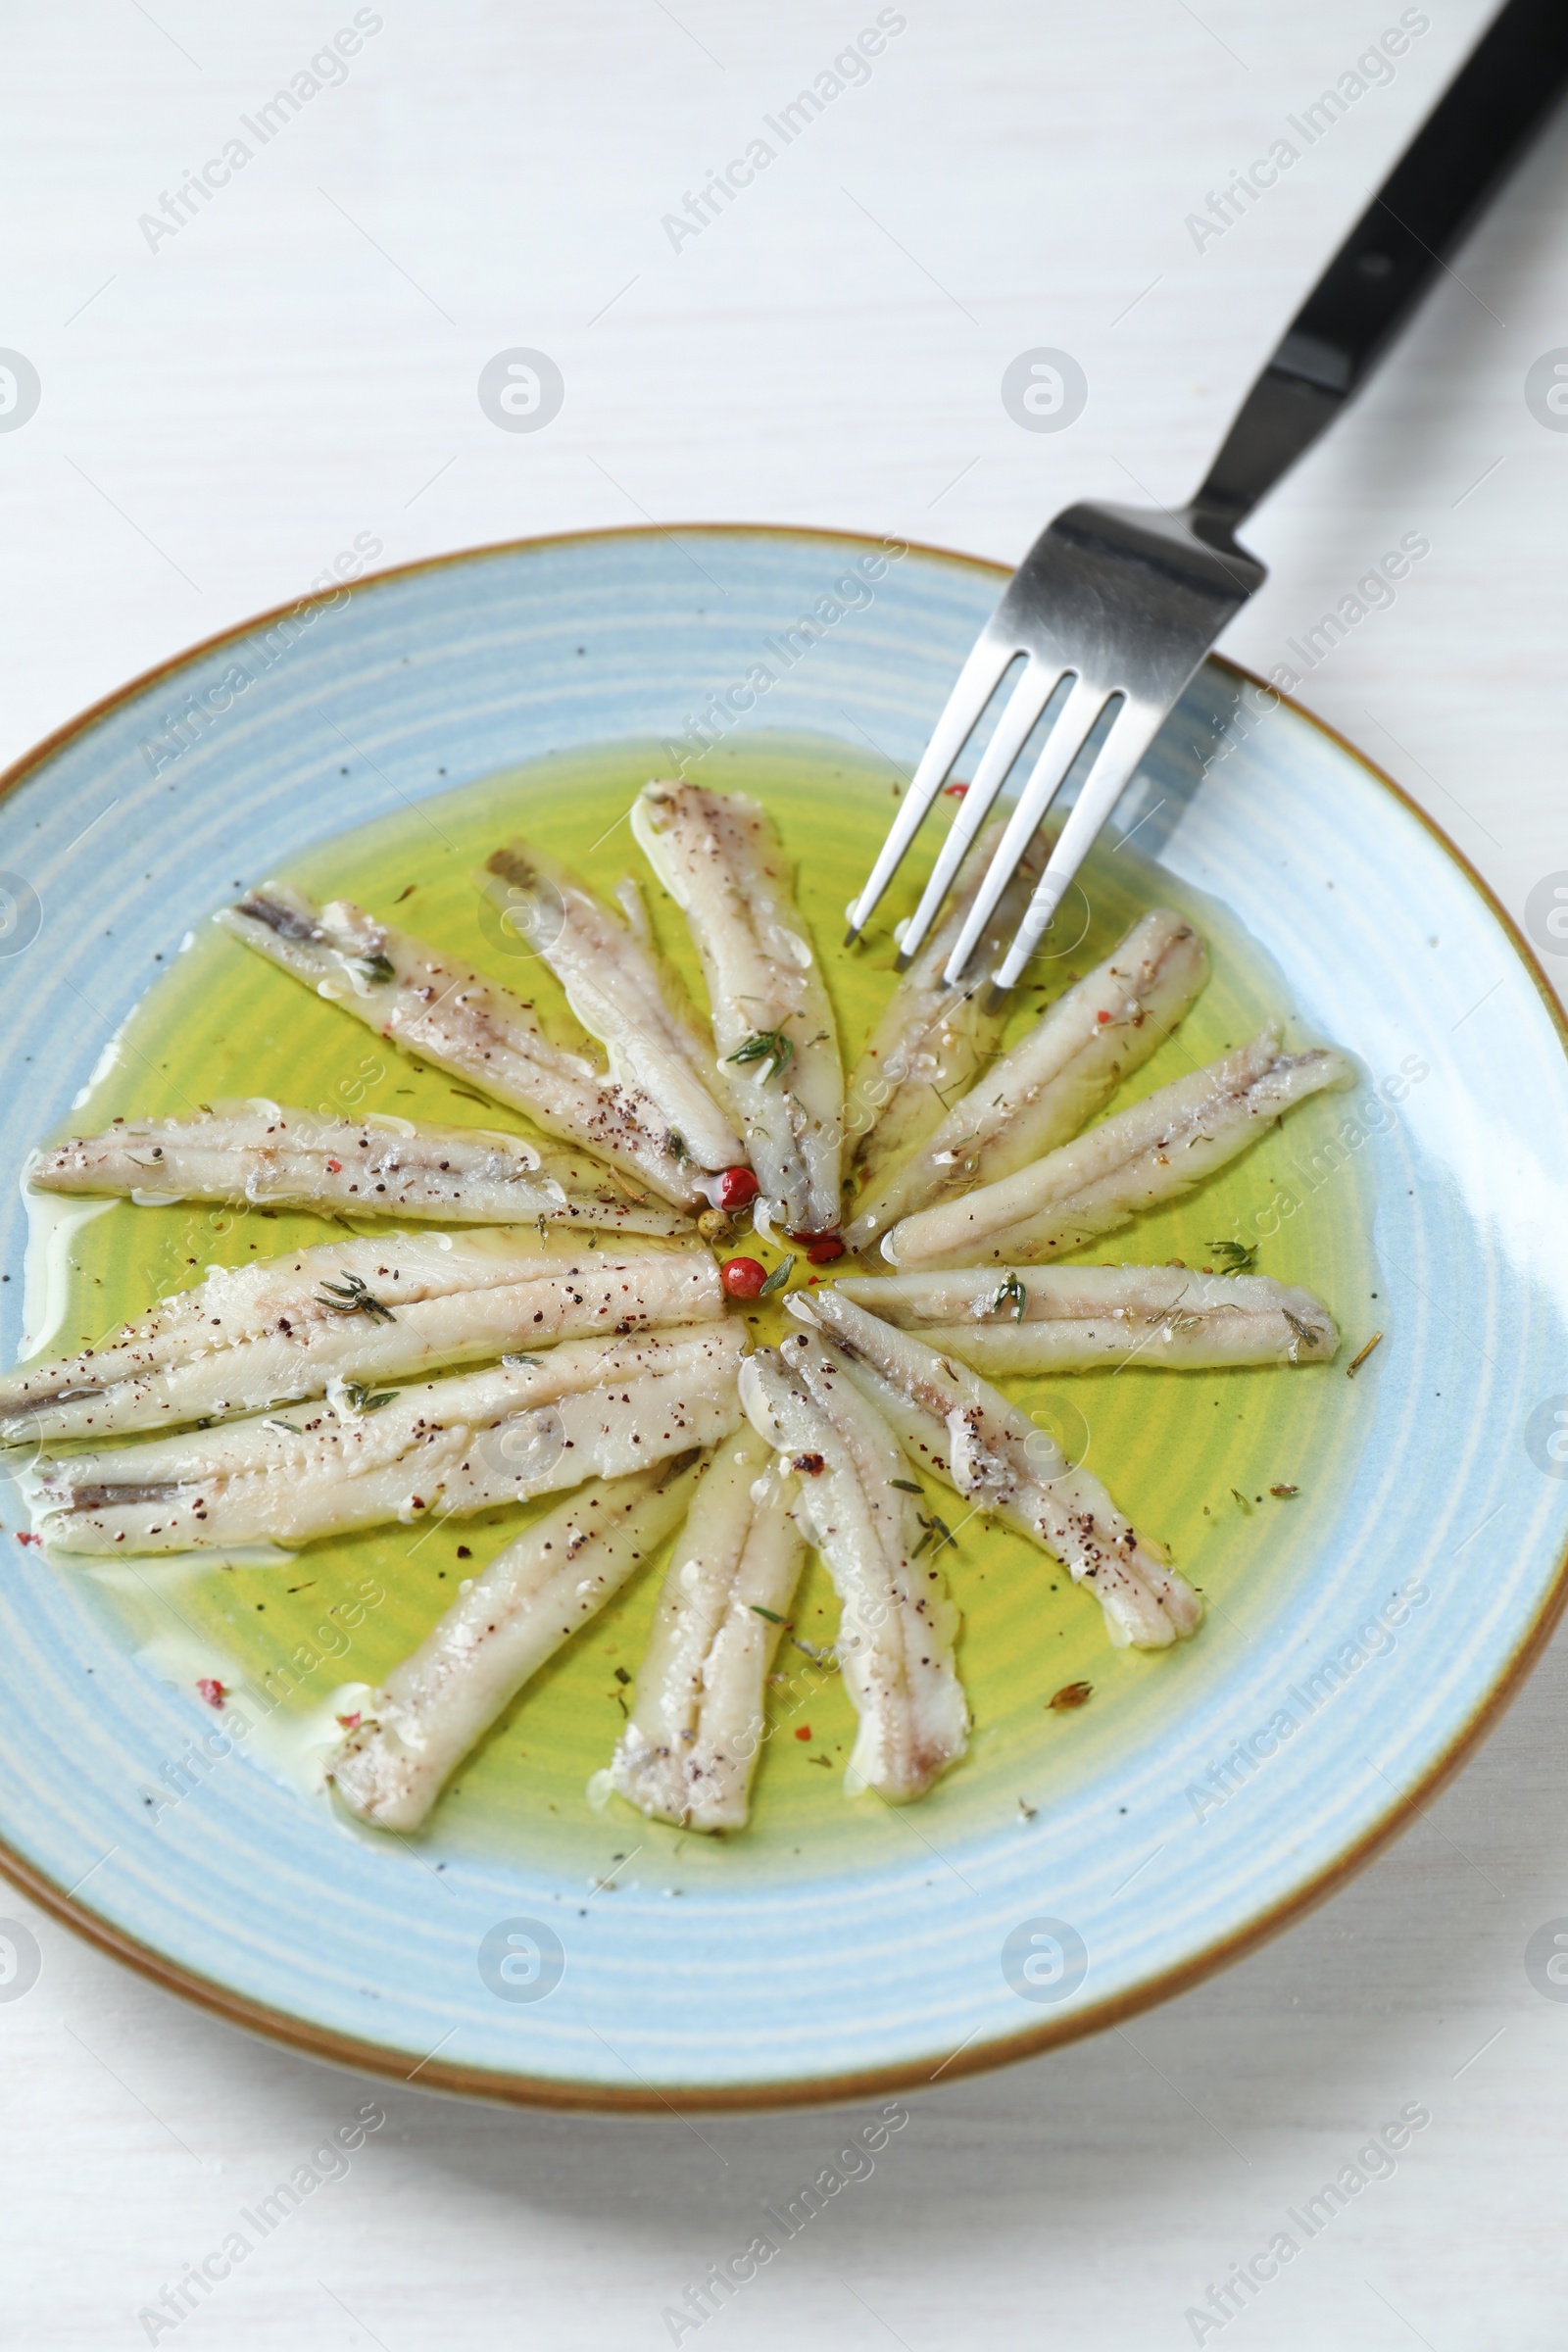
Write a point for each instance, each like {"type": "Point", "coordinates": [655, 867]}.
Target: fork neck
{"type": "Point", "coordinates": [1279, 420]}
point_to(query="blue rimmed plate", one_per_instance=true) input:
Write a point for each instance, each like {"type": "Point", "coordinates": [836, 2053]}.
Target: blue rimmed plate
{"type": "Point", "coordinates": [1083, 1863]}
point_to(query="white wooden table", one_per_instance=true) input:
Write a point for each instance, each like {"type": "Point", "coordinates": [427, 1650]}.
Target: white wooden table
{"type": "Point", "coordinates": [223, 407]}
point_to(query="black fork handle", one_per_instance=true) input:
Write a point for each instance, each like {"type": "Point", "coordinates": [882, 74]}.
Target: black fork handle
{"type": "Point", "coordinates": [1417, 220]}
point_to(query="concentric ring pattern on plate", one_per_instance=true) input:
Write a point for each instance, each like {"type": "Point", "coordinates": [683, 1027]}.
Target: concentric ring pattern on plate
{"type": "Point", "coordinates": [1172, 1848]}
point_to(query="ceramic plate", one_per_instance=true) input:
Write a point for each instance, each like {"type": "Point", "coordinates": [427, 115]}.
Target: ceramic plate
{"type": "Point", "coordinates": [1082, 1861]}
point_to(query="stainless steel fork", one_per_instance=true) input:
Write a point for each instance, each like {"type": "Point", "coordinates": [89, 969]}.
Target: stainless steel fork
{"type": "Point", "coordinates": [1113, 608]}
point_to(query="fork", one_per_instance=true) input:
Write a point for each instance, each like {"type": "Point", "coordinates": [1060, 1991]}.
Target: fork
{"type": "Point", "coordinates": [1113, 608]}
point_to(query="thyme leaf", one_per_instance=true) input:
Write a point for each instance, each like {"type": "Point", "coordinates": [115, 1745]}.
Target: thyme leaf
{"type": "Point", "coordinates": [937, 1532]}
{"type": "Point", "coordinates": [1011, 1293]}
{"type": "Point", "coordinates": [778, 1278]}
{"type": "Point", "coordinates": [1240, 1258]}
{"type": "Point", "coordinates": [351, 1298]}
{"type": "Point", "coordinates": [361, 1398]}
{"type": "Point", "coordinates": [378, 969]}
{"type": "Point", "coordinates": [767, 1044]}
{"type": "Point", "coordinates": [772, 1615]}
{"type": "Point", "coordinates": [1301, 1334]}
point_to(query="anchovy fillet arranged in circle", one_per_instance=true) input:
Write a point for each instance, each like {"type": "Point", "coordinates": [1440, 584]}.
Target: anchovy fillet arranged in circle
{"type": "Point", "coordinates": [438, 1007]}
{"type": "Point", "coordinates": [955, 1425]}
{"type": "Point", "coordinates": [719, 857]}
{"type": "Point", "coordinates": [355, 1311]}
{"type": "Point", "coordinates": [1136, 1160]}
{"type": "Point", "coordinates": [441, 1700]}
{"type": "Point", "coordinates": [699, 1718]}
{"type": "Point", "coordinates": [259, 1154]}
{"type": "Point", "coordinates": [932, 1038]}
{"type": "Point", "coordinates": [619, 994]}
{"type": "Point", "coordinates": [897, 1628]}
{"type": "Point", "coordinates": [1064, 1070]}
{"type": "Point", "coordinates": [589, 1407]}
{"type": "Point", "coordinates": [1037, 1319]}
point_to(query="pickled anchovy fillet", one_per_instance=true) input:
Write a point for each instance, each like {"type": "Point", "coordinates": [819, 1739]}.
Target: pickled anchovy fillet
{"type": "Point", "coordinates": [618, 993]}
{"type": "Point", "coordinates": [699, 1718]}
{"type": "Point", "coordinates": [1064, 1070]}
{"type": "Point", "coordinates": [441, 1008]}
{"type": "Point", "coordinates": [1070, 1318]}
{"type": "Point", "coordinates": [897, 1633]}
{"type": "Point", "coordinates": [355, 1311]}
{"type": "Point", "coordinates": [955, 1424]}
{"type": "Point", "coordinates": [931, 1038]}
{"type": "Point", "coordinates": [719, 857]}
{"type": "Point", "coordinates": [588, 1407]}
{"type": "Point", "coordinates": [442, 1700]}
{"type": "Point", "coordinates": [1152, 1153]}
{"type": "Point", "coordinates": [266, 1155]}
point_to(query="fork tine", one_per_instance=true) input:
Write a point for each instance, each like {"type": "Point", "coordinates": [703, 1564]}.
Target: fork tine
{"type": "Point", "coordinates": [1066, 740]}
{"type": "Point", "coordinates": [1028, 698]}
{"type": "Point", "coordinates": [978, 680]}
{"type": "Point", "coordinates": [1132, 732]}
